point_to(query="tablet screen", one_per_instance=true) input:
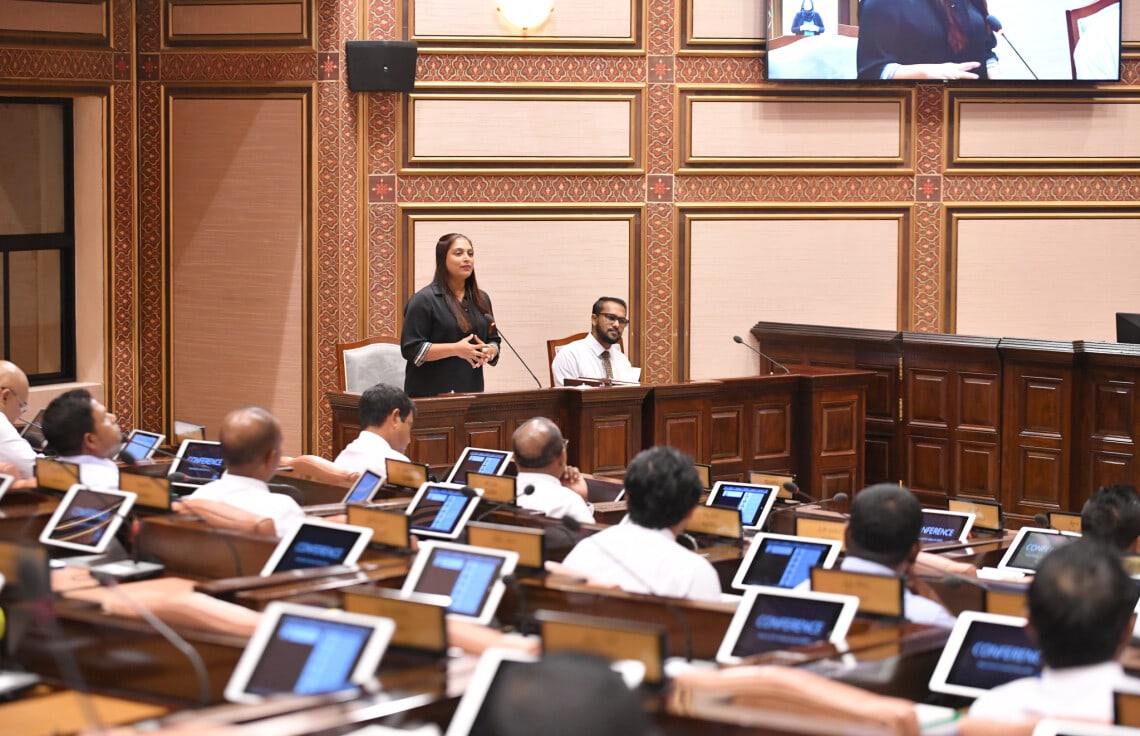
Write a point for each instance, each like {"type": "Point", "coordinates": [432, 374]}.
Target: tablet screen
{"type": "Point", "coordinates": [753, 501]}
{"type": "Point", "coordinates": [305, 656]}
{"type": "Point", "coordinates": [441, 510]}
{"type": "Point", "coordinates": [479, 460]}
{"type": "Point", "coordinates": [944, 527]}
{"type": "Point", "coordinates": [199, 460]}
{"type": "Point", "coordinates": [364, 488]}
{"type": "Point", "coordinates": [141, 445]}
{"type": "Point", "coordinates": [318, 544]}
{"type": "Point", "coordinates": [785, 562]}
{"type": "Point", "coordinates": [778, 622]}
{"type": "Point", "coordinates": [1031, 546]}
{"type": "Point", "coordinates": [87, 519]}
{"type": "Point", "coordinates": [470, 576]}
{"type": "Point", "coordinates": [992, 654]}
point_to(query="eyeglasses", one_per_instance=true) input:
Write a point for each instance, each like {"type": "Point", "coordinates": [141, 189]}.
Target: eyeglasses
{"type": "Point", "coordinates": [23, 404]}
{"type": "Point", "coordinates": [614, 318]}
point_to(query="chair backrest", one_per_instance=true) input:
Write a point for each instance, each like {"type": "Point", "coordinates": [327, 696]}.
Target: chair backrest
{"type": "Point", "coordinates": [316, 468]}
{"type": "Point", "coordinates": [553, 346]}
{"type": "Point", "coordinates": [370, 361]}
{"type": "Point", "coordinates": [1073, 20]}
{"type": "Point", "coordinates": [221, 515]}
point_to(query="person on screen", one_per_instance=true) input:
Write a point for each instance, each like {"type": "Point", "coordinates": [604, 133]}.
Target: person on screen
{"type": "Point", "coordinates": [641, 554]}
{"type": "Point", "coordinates": [558, 489]}
{"type": "Point", "coordinates": [807, 21]}
{"type": "Point", "coordinates": [588, 357]}
{"type": "Point", "coordinates": [1112, 516]}
{"type": "Point", "coordinates": [81, 430]}
{"type": "Point", "coordinates": [14, 449]}
{"type": "Point", "coordinates": [924, 39]}
{"type": "Point", "coordinates": [1080, 612]}
{"type": "Point", "coordinates": [251, 448]}
{"type": "Point", "coordinates": [449, 334]}
{"type": "Point", "coordinates": [1097, 53]}
{"type": "Point", "coordinates": [386, 416]}
{"type": "Point", "coordinates": [564, 694]}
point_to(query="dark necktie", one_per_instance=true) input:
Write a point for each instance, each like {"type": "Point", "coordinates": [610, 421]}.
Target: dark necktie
{"type": "Point", "coordinates": [609, 366]}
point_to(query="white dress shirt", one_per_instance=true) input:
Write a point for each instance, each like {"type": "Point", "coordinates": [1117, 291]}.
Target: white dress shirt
{"type": "Point", "coordinates": [551, 497]}
{"type": "Point", "coordinates": [254, 496]}
{"type": "Point", "coordinates": [582, 359]}
{"type": "Point", "coordinates": [97, 472]}
{"type": "Point", "coordinates": [641, 560]}
{"type": "Point", "coordinates": [1077, 693]}
{"type": "Point", "coordinates": [16, 450]}
{"type": "Point", "coordinates": [367, 452]}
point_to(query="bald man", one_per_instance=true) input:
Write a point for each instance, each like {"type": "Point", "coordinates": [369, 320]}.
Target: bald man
{"type": "Point", "coordinates": [251, 447]}
{"type": "Point", "coordinates": [14, 449]}
{"type": "Point", "coordinates": [558, 489]}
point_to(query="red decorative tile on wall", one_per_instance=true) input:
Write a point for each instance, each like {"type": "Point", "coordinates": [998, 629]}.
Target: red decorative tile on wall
{"type": "Point", "coordinates": [383, 283]}
{"type": "Point", "coordinates": [927, 188]}
{"type": "Point", "coordinates": [504, 68]}
{"type": "Point", "coordinates": [745, 70]}
{"type": "Point", "coordinates": [520, 188]}
{"type": "Point", "coordinates": [926, 269]}
{"type": "Point", "coordinates": [383, 112]}
{"type": "Point", "coordinates": [659, 188]}
{"type": "Point", "coordinates": [659, 130]}
{"type": "Point", "coordinates": [382, 188]}
{"type": "Point", "coordinates": [661, 69]}
{"type": "Point", "coordinates": [122, 67]}
{"type": "Point", "coordinates": [152, 275]}
{"type": "Point", "coordinates": [239, 67]}
{"type": "Point", "coordinates": [53, 64]}
{"type": "Point", "coordinates": [792, 188]}
{"type": "Point", "coordinates": [662, 22]}
{"type": "Point", "coordinates": [1073, 188]}
{"type": "Point", "coordinates": [659, 300]}
{"type": "Point", "coordinates": [150, 67]}
{"type": "Point", "coordinates": [328, 67]}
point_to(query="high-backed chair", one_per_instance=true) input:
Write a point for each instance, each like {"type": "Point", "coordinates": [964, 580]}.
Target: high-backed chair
{"type": "Point", "coordinates": [370, 361]}
{"type": "Point", "coordinates": [1074, 20]}
{"type": "Point", "coordinates": [553, 346]}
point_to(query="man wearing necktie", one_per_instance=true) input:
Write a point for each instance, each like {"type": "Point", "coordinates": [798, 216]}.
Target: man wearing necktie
{"type": "Point", "coordinates": [598, 355]}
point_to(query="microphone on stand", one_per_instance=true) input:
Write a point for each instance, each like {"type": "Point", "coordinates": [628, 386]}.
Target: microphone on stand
{"type": "Point", "coordinates": [837, 500]}
{"type": "Point", "coordinates": [737, 339]}
{"type": "Point", "coordinates": [793, 489]}
{"type": "Point", "coordinates": [995, 24]}
{"type": "Point", "coordinates": [495, 329]}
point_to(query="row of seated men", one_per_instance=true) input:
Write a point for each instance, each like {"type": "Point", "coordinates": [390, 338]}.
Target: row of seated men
{"type": "Point", "coordinates": [1080, 603]}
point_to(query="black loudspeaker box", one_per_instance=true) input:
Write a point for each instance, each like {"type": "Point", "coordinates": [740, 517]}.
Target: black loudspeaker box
{"type": "Point", "coordinates": [381, 66]}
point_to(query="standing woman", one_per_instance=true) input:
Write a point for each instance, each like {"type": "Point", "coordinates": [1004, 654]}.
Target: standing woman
{"type": "Point", "coordinates": [448, 335]}
{"type": "Point", "coordinates": [924, 39]}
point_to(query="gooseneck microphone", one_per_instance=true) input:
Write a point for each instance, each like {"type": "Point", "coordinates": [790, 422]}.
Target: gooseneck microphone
{"type": "Point", "coordinates": [793, 489]}
{"type": "Point", "coordinates": [494, 329]}
{"type": "Point", "coordinates": [995, 24]}
{"type": "Point", "coordinates": [740, 341]}
{"type": "Point", "coordinates": [837, 500]}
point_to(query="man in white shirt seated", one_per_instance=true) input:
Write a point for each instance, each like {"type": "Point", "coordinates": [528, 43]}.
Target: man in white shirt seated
{"type": "Point", "coordinates": [1080, 609]}
{"type": "Point", "coordinates": [1112, 516]}
{"type": "Point", "coordinates": [251, 448]}
{"type": "Point", "coordinates": [81, 430]}
{"type": "Point", "coordinates": [598, 354]}
{"type": "Point", "coordinates": [14, 449]}
{"type": "Point", "coordinates": [545, 482]}
{"type": "Point", "coordinates": [386, 417]}
{"type": "Point", "coordinates": [641, 554]}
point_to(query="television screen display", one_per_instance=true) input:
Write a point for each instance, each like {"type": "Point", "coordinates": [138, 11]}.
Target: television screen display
{"type": "Point", "coordinates": [964, 41]}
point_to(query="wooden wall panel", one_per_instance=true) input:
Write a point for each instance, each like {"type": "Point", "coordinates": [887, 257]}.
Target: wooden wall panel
{"type": "Point", "coordinates": [597, 21]}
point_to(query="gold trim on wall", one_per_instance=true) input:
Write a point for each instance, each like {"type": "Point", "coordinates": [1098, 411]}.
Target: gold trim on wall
{"type": "Point", "coordinates": [686, 215]}
{"type": "Point", "coordinates": [633, 163]}
{"type": "Point", "coordinates": [687, 95]}
{"type": "Point", "coordinates": [244, 41]}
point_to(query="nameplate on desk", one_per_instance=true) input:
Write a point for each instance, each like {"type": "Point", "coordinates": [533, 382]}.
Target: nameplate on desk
{"type": "Point", "coordinates": [56, 475]}
{"type": "Point", "coordinates": [527, 542]}
{"type": "Point", "coordinates": [614, 640]}
{"type": "Point", "coordinates": [153, 491]}
{"type": "Point", "coordinates": [1064, 522]}
{"type": "Point", "coordinates": [716, 521]}
{"type": "Point", "coordinates": [496, 488]}
{"type": "Point", "coordinates": [1006, 602]}
{"type": "Point", "coordinates": [1126, 709]}
{"type": "Point", "coordinates": [811, 526]}
{"type": "Point", "coordinates": [421, 619]}
{"type": "Point", "coordinates": [773, 479]}
{"type": "Point", "coordinates": [389, 528]}
{"type": "Point", "coordinates": [1131, 565]}
{"type": "Point", "coordinates": [405, 474]}
{"type": "Point", "coordinates": [11, 555]}
{"type": "Point", "coordinates": [987, 514]}
{"type": "Point", "coordinates": [879, 595]}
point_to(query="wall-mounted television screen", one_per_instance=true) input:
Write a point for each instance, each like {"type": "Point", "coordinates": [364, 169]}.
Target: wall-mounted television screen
{"type": "Point", "coordinates": [960, 41]}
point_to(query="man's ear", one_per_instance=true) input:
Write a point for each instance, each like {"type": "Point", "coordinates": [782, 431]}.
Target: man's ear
{"type": "Point", "coordinates": [912, 555]}
{"type": "Point", "coordinates": [394, 416]}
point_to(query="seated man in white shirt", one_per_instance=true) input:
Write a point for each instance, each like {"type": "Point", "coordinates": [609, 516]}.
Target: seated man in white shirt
{"type": "Point", "coordinates": [587, 358]}
{"type": "Point", "coordinates": [1112, 516]}
{"type": "Point", "coordinates": [386, 417]}
{"type": "Point", "coordinates": [641, 554]}
{"type": "Point", "coordinates": [555, 488]}
{"type": "Point", "coordinates": [251, 448]}
{"type": "Point", "coordinates": [1080, 611]}
{"type": "Point", "coordinates": [82, 431]}
{"type": "Point", "coordinates": [14, 449]}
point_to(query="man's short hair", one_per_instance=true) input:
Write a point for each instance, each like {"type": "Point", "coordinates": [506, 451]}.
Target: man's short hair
{"type": "Point", "coordinates": [1112, 515]}
{"type": "Point", "coordinates": [565, 694]}
{"type": "Point", "coordinates": [67, 419]}
{"type": "Point", "coordinates": [379, 401]}
{"type": "Point", "coordinates": [886, 520]}
{"type": "Point", "coordinates": [550, 451]}
{"type": "Point", "coordinates": [249, 445]}
{"type": "Point", "coordinates": [1080, 602]}
{"type": "Point", "coordinates": [661, 487]}
{"type": "Point", "coordinates": [598, 304]}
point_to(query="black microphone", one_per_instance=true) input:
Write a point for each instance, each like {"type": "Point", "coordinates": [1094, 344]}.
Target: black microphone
{"type": "Point", "coordinates": [529, 490]}
{"type": "Point", "coordinates": [524, 623]}
{"type": "Point", "coordinates": [837, 500]}
{"type": "Point", "coordinates": [793, 489]}
{"type": "Point", "coordinates": [995, 24]}
{"type": "Point", "coordinates": [770, 359]}
{"type": "Point", "coordinates": [493, 329]}
{"type": "Point", "coordinates": [1041, 520]}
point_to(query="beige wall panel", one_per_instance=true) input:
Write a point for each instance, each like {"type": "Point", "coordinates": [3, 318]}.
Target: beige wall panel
{"type": "Point", "coordinates": [1130, 22]}
{"type": "Point", "coordinates": [31, 177]}
{"type": "Point", "coordinates": [841, 272]}
{"type": "Point", "coordinates": [1057, 279]}
{"type": "Point", "coordinates": [542, 276]}
{"type": "Point", "coordinates": [728, 19]}
{"type": "Point", "coordinates": [735, 129]}
{"type": "Point", "coordinates": [237, 179]}
{"type": "Point", "coordinates": [231, 20]}
{"type": "Point", "coordinates": [1076, 130]}
{"type": "Point", "coordinates": [52, 17]}
{"type": "Point", "coordinates": [609, 19]}
{"type": "Point", "coordinates": [548, 129]}
{"type": "Point", "coordinates": [90, 239]}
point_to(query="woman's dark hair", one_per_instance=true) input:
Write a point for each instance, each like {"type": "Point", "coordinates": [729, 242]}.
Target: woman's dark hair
{"type": "Point", "coordinates": [471, 289]}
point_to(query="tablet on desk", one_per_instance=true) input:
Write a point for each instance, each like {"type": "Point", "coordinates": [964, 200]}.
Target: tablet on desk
{"type": "Point", "coordinates": [302, 650]}
{"type": "Point", "coordinates": [1030, 546]}
{"type": "Point", "coordinates": [316, 543]}
{"type": "Point", "coordinates": [985, 650]}
{"type": "Point", "coordinates": [6, 482]}
{"type": "Point", "coordinates": [472, 577]}
{"type": "Point", "coordinates": [479, 460]}
{"type": "Point", "coordinates": [783, 561]}
{"type": "Point", "coordinates": [945, 527]}
{"type": "Point", "coordinates": [365, 487]}
{"type": "Point", "coordinates": [200, 461]}
{"type": "Point", "coordinates": [470, 718]}
{"type": "Point", "coordinates": [771, 619]}
{"type": "Point", "coordinates": [140, 445]}
{"type": "Point", "coordinates": [754, 501]}
{"type": "Point", "coordinates": [87, 519]}
{"type": "Point", "coordinates": [442, 509]}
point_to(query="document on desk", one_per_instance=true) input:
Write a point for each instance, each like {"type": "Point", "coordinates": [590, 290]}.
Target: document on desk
{"type": "Point", "coordinates": [936, 720]}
